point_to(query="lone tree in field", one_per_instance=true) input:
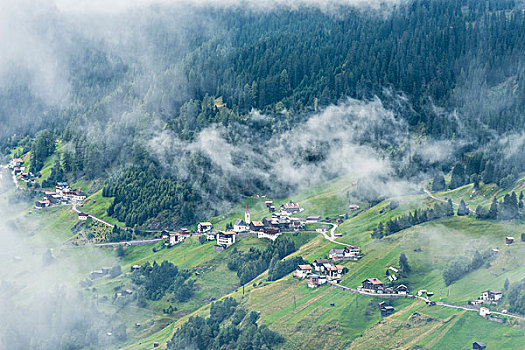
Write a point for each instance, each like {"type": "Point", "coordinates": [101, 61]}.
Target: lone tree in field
{"type": "Point", "coordinates": [403, 263]}
{"type": "Point", "coordinates": [463, 209]}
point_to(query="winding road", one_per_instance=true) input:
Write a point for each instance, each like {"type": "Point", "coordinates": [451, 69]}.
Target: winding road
{"type": "Point", "coordinates": [332, 237]}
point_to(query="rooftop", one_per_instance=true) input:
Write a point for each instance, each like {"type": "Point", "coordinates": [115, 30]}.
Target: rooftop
{"type": "Point", "coordinates": [374, 281]}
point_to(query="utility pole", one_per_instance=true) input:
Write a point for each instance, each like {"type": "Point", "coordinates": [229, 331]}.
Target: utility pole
{"type": "Point", "coordinates": [243, 289]}
{"type": "Point", "coordinates": [294, 303]}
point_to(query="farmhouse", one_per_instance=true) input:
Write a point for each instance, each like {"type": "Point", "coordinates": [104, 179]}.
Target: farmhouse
{"type": "Point", "coordinates": [491, 296]}
{"type": "Point", "coordinates": [270, 233]}
{"type": "Point", "coordinates": [240, 226]}
{"type": "Point", "coordinates": [43, 203]}
{"type": "Point", "coordinates": [302, 271]}
{"type": "Point", "coordinates": [353, 207]}
{"type": "Point", "coordinates": [334, 273]}
{"type": "Point", "coordinates": [225, 239]}
{"type": "Point", "coordinates": [175, 238]}
{"type": "Point", "coordinates": [83, 216]}
{"type": "Point", "coordinates": [347, 253]}
{"type": "Point", "coordinates": [256, 226]}
{"type": "Point", "coordinates": [484, 312]}
{"type": "Point", "coordinates": [478, 345]}
{"type": "Point", "coordinates": [204, 227]}
{"type": "Point", "coordinates": [385, 309]}
{"type": "Point", "coordinates": [509, 240]}
{"type": "Point", "coordinates": [316, 281]}
{"type": "Point", "coordinates": [16, 162]}
{"type": "Point", "coordinates": [319, 264]}
{"type": "Point", "coordinates": [372, 284]}
{"type": "Point", "coordinates": [212, 235]}
{"type": "Point", "coordinates": [135, 267]}
{"type": "Point", "coordinates": [402, 289]}
{"type": "Point", "coordinates": [268, 204]}
{"type": "Point", "coordinates": [61, 187]}
{"type": "Point", "coordinates": [78, 196]}
{"type": "Point", "coordinates": [291, 208]}
{"type": "Point", "coordinates": [313, 219]}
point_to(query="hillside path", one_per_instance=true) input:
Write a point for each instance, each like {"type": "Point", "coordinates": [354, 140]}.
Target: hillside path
{"type": "Point", "coordinates": [437, 198]}
{"type": "Point", "coordinates": [75, 209]}
{"type": "Point", "coordinates": [331, 237]}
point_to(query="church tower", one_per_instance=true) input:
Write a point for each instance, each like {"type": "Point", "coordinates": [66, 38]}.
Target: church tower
{"type": "Point", "coordinates": [247, 215]}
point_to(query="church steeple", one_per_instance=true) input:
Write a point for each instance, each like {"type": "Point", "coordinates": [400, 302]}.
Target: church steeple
{"type": "Point", "coordinates": [247, 215]}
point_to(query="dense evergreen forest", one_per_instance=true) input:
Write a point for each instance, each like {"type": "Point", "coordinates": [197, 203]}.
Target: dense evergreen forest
{"type": "Point", "coordinates": [426, 61]}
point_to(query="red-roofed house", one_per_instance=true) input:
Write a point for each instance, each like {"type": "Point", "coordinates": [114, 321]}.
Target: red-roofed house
{"type": "Point", "coordinates": [319, 264]}
{"type": "Point", "coordinates": [372, 284]}
{"type": "Point", "coordinates": [334, 272]}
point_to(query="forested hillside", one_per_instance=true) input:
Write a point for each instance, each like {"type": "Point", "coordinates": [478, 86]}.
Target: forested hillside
{"type": "Point", "coordinates": [149, 113]}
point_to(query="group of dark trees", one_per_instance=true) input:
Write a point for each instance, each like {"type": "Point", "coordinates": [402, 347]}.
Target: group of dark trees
{"type": "Point", "coordinates": [141, 194]}
{"type": "Point", "coordinates": [253, 262]}
{"type": "Point", "coordinates": [516, 297]}
{"type": "Point", "coordinates": [229, 327]}
{"type": "Point", "coordinates": [416, 217]}
{"type": "Point", "coordinates": [507, 209]}
{"type": "Point", "coordinates": [459, 266]}
{"type": "Point", "coordinates": [156, 280]}
{"type": "Point", "coordinates": [42, 147]}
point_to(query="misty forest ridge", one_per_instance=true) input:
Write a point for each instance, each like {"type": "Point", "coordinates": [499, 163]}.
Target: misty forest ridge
{"type": "Point", "coordinates": [306, 174]}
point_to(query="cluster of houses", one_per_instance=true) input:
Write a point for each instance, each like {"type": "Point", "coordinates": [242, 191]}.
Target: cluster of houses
{"type": "Point", "coordinates": [62, 195]}
{"type": "Point", "coordinates": [175, 238]}
{"type": "Point", "coordinates": [319, 272]}
{"type": "Point", "coordinates": [16, 166]}
{"type": "Point", "coordinates": [374, 285]}
{"type": "Point", "coordinates": [270, 228]}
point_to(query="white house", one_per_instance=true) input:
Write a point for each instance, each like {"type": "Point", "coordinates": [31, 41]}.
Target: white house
{"type": "Point", "coordinates": [484, 312]}
{"type": "Point", "coordinates": [347, 253]}
{"type": "Point", "coordinates": [78, 196]}
{"type": "Point", "coordinates": [319, 264]}
{"type": "Point", "coordinates": [240, 226]}
{"type": "Point", "coordinates": [316, 281]}
{"type": "Point", "coordinates": [402, 289]}
{"type": "Point", "coordinates": [83, 216]}
{"type": "Point", "coordinates": [491, 295]}
{"type": "Point", "coordinates": [313, 219]}
{"type": "Point", "coordinates": [211, 235]}
{"type": "Point", "coordinates": [302, 271]}
{"type": "Point", "coordinates": [225, 238]}
{"type": "Point", "coordinates": [334, 272]}
{"type": "Point", "coordinates": [175, 238]}
{"type": "Point", "coordinates": [204, 227]}
{"type": "Point", "coordinates": [291, 208]}
{"type": "Point", "coordinates": [62, 187]}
